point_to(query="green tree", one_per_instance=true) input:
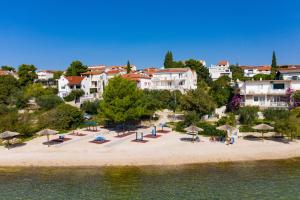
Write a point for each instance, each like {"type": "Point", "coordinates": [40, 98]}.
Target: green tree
{"type": "Point", "coordinates": [9, 88]}
{"type": "Point", "coordinates": [57, 74]}
{"type": "Point", "coordinates": [199, 101]}
{"type": "Point", "coordinates": [74, 95]}
{"type": "Point", "coordinates": [258, 77]}
{"type": "Point", "coordinates": [8, 68]}
{"type": "Point", "coordinates": [221, 91]}
{"type": "Point", "coordinates": [48, 102]}
{"type": "Point", "coordinates": [122, 101]}
{"type": "Point", "coordinates": [237, 73]}
{"type": "Point", "coordinates": [27, 74]}
{"type": "Point", "coordinates": [248, 114]}
{"type": "Point", "coordinates": [274, 64]}
{"type": "Point", "coordinates": [202, 72]}
{"type": "Point", "coordinates": [63, 117]}
{"type": "Point", "coordinates": [168, 63]}
{"type": "Point", "coordinates": [128, 67]}
{"type": "Point", "coordinates": [90, 107]}
{"type": "Point", "coordinates": [76, 68]}
{"type": "Point", "coordinates": [37, 89]}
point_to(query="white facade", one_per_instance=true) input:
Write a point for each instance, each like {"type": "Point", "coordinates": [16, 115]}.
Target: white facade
{"type": "Point", "coordinates": [290, 74]}
{"type": "Point", "coordinates": [96, 82]}
{"type": "Point", "coordinates": [250, 71]}
{"type": "Point", "coordinates": [221, 69]}
{"type": "Point", "coordinates": [67, 84]}
{"type": "Point", "coordinates": [45, 75]}
{"type": "Point", "coordinates": [182, 79]}
{"type": "Point", "coordinates": [265, 94]}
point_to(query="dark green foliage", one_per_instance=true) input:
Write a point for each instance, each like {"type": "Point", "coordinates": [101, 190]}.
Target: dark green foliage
{"type": "Point", "coordinates": [47, 102]}
{"type": "Point", "coordinates": [274, 114]}
{"type": "Point", "coordinates": [168, 63]}
{"type": "Point", "coordinates": [202, 72]}
{"type": "Point", "coordinates": [57, 74]}
{"type": "Point", "coordinates": [191, 118]}
{"type": "Point", "coordinates": [37, 89]}
{"type": "Point", "coordinates": [246, 128]}
{"type": "Point", "coordinates": [296, 96]}
{"type": "Point", "coordinates": [8, 68]}
{"type": "Point", "coordinates": [90, 107]}
{"type": "Point", "coordinates": [248, 115]}
{"type": "Point", "coordinates": [221, 91]}
{"type": "Point", "coordinates": [274, 64]}
{"type": "Point", "coordinates": [258, 77]}
{"type": "Point", "coordinates": [227, 120]}
{"type": "Point", "coordinates": [27, 74]}
{"type": "Point", "coordinates": [74, 94]}
{"type": "Point", "coordinates": [237, 73]}
{"type": "Point", "coordinates": [210, 130]}
{"type": "Point", "coordinates": [76, 68]}
{"type": "Point", "coordinates": [63, 117]}
{"type": "Point", "coordinates": [197, 100]}
{"type": "Point", "coordinates": [128, 67]}
{"type": "Point", "coordinates": [122, 101]}
{"type": "Point", "coordinates": [9, 87]}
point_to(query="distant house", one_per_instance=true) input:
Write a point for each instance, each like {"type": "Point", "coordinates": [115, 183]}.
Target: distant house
{"type": "Point", "coordinates": [221, 69]}
{"type": "Point", "coordinates": [6, 72]}
{"type": "Point", "coordinates": [291, 72]}
{"type": "Point", "coordinates": [251, 71]}
{"type": "Point", "coordinates": [266, 93]}
{"type": "Point", "coordinates": [143, 81]}
{"type": "Point", "coordinates": [182, 79]}
{"type": "Point", "coordinates": [45, 75]}
{"type": "Point", "coordinates": [68, 83]}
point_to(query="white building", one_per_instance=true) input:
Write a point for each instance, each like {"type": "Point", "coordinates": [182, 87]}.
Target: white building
{"type": "Point", "coordinates": [143, 81]}
{"type": "Point", "coordinates": [266, 93]}
{"type": "Point", "coordinates": [97, 80]}
{"type": "Point", "coordinates": [221, 69]}
{"type": "Point", "coordinates": [68, 83]}
{"type": "Point", "coordinates": [45, 75]}
{"type": "Point", "coordinates": [182, 79]}
{"type": "Point", "coordinates": [290, 73]}
{"type": "Point", "coordinates": [251, 71]}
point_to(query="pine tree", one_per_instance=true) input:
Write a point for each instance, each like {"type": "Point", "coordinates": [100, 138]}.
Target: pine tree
{"type": "Point", "coordinates": [128, 67]}
{"type": "Point", "coordinates": [168, 63]}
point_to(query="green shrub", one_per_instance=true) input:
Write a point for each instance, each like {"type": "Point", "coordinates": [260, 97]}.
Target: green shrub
{"type": "Point", "coordinates": [210, 130]}
{"type": "Point", "coordinates": [248, 114]}
{"type": "Point", "coordinates": [191, 118]}
{"type": "Point", "coordinates": [75, 94]}
{"type": "Point", "coordinates": [229, 120]}
{"type": "Point", "coordinates": [179, 127]}
{"type": "Point", "coordinates": [63, 117]}
{"type": "Point", "coordinates": [246, 128]}
{"type": "Point", "coordinates": [274, 114]}
{"type": "Point", "coordinates": [90, 107]}
{"type": "Point", "coordinates": [47, 102]}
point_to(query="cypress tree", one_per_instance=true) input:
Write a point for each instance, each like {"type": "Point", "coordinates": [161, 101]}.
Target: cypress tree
{"type": "Point", "coordinates": [128, 67]}
{"type": "Point", "coordinates": [168, 63]}
{"type": "Point", "coordinates": [274, 64]}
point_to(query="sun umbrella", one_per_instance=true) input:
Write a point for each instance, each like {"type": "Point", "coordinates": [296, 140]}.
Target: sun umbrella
{"type": "Point", "coordinates": [263, 127]}
{"type": "Point", "coordinates": [226, 128]}
{"type": "Point", "coordinates": [47, 132]}
{"type": "Point", "coordinates": [193, 129]}
{"type": "Point", "coordinates": [7, 135]}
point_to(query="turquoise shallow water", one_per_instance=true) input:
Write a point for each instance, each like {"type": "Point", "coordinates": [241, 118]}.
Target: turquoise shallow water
{"type": "Point", "coordinates": [243, 180]}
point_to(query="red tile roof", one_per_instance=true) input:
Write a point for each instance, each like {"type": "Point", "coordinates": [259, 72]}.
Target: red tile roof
{"type": "Point", "coordinates": [259, 68]}
{"type": "Point", "coordinates": [135, 77]}
{"type": "Point", "coordinates": [114, 71]}
{"type": "Point", "coordinates": [223, 62]}
{"type": "Point", "coordinates": [93, 72]}
{"type": "Point", "coordinates": [173, 70]}
{"type": "Point", "coordinates": [74, 80]}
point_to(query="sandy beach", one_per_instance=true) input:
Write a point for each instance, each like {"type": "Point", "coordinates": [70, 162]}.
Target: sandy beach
{"type": "Point", "coordinates": [169, 149]}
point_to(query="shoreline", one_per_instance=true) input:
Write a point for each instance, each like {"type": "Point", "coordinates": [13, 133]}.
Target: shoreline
{"type": "Point", "coordinates": [171, 149]}
{"type": "Point", "coordinates": [149, 165]}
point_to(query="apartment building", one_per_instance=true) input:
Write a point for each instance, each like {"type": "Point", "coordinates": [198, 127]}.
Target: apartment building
{"type": "Point", "coordinates": [267, 93]}
{"type": "Point", "coordinates": [221, 69]}
{"type": "Point", "coordinates": [251, 71]}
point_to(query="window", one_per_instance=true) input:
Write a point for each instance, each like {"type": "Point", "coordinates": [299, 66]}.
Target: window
{"type": "Point", "coordinates": [278, 86]}
{"type": "Point", "coordinates": [294, 77]}
{"type": "Point", "coordinates": [255, 99]}
{"type": "Point", "coordinates": [63, 87]}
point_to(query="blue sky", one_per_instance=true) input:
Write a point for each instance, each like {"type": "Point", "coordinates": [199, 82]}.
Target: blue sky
{"type": "Point", "coordinates": [52, 33]}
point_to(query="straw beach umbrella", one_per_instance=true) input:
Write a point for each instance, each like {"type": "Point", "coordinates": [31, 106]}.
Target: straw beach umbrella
{"type": "Point", "coordinates": [193, 129]}
{"type": "Point", "coordinates": [47, 132]}
{"type": "Point", "coordinates": [7, 135]}
{"type": "Point", "coordinates": [262, 128]}
{"type": "Point", "coordinates": [226, 128]}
